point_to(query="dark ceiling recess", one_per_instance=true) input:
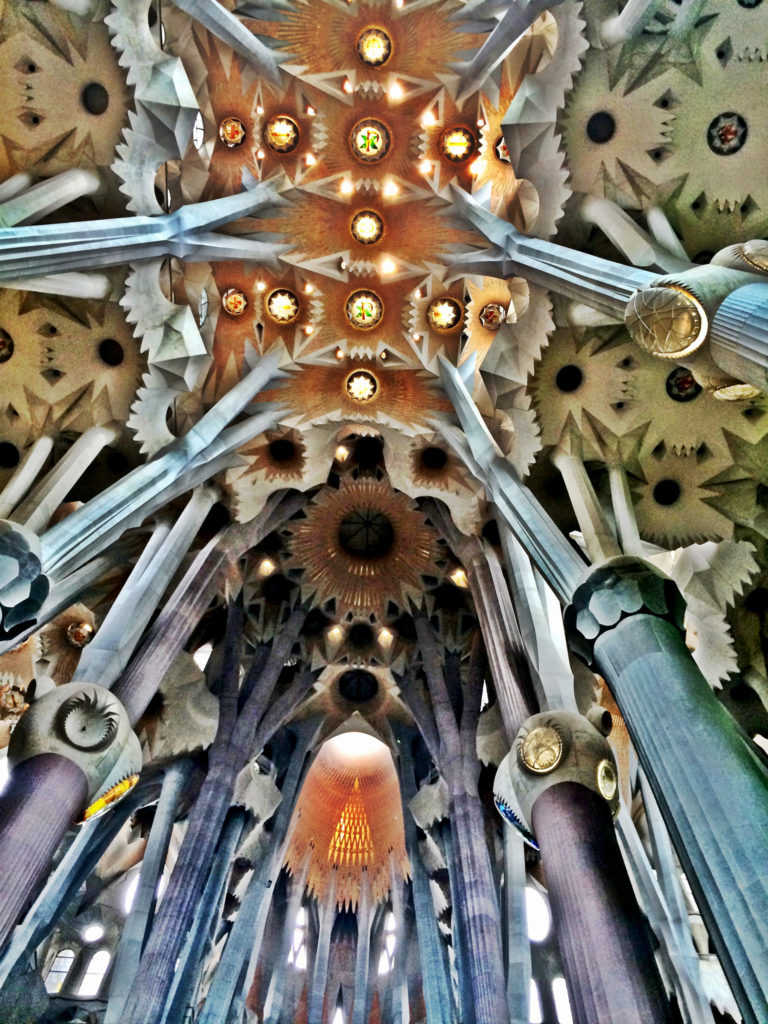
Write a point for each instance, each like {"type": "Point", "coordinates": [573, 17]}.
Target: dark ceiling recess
{"type": "Point", "coordinates": [358, 686]}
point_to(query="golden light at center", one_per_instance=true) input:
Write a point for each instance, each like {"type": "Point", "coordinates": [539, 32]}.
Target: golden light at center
{"type": "Point", "coordinates": [374, 47]}
{"type": "Point", "coordinates": [367, 227]}
{"type": "Point", "coordinates": [362, 386]}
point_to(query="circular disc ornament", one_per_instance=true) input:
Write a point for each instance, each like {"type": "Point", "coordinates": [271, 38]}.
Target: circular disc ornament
{"type": "Point", "coordinates": [232, 132]}
{"type": "Point", "coordinates": [362, 386]}
{"type": "Point", "coordinates": [364, 310]}
{"type": "Point", "coordinates": [607, 782]}
{"type": "Point", "coordinates": [234, 302]}
{"type": "Point", "coordinates": [542, 749]}
{"type": "Point", "coordinates": [444, 314]}
{"type": "Point", "coordinates": [492, 316]}
{"type": "Point", "coordinates": [457, 144]}
{"type": "Point", "coordinates": [727, 133]}
{"type": "Point", "coordinates": [367, 227]}
{"type": "Point", "coordinates": [281, 133]}
{"type": "Point", "coordinates": [374, 47]}
{"type": "Point", "coordinates": [501, 150]}
{"type": "Point", "coordinates": [682, 385]}
{"type": "Point", "coordinates": [369, 140]}
{"type": "Point", "coordinates": [282, 306]}
{"type": "Point", "coordinates": [80, 634]}
{"type": "Point", "coordinates": [6, 346]}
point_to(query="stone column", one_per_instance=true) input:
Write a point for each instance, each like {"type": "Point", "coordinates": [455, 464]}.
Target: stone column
{"type": "Point", "coordinates": [37, 201]}
{"type": "Point", "coordinates": [180, 997]}
{"type": "Point", "coordinates": [111, 648]}
{"type": "Point", "coordinates": [40, 802]}
{"type": "Point", "coordinates": [327, 913]}
{"type": "Point", "coordinates": [711, 787]}
{"type": "Point", "coordinates": [438, 995]}
{"type": "Point", "coordinates": [603, 938]}
{"type": "Point", "coordinates": [561, 780]}
{"type": "Point", "coordinates": [363, 952]}
{"type": "Point", "coordinates": [139, 920]}
{"type": "Point", "coordinates": [25, 474]}
{"type": "Point", "coordinates": [71, 747]}
{"type": "Point", "coordinates": [38, 508]}
{"type": "Point", "coordinates": [738, 340]}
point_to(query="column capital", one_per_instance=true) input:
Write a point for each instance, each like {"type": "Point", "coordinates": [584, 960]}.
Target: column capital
{"type": "Point", "coordinates": [23, 584]}
{"type": "Point", "coordinates": [613, 591]}
{"type": "Point", "coordinates": [89, 726]}
{"type": "Point", "coordinates": [550, 748]}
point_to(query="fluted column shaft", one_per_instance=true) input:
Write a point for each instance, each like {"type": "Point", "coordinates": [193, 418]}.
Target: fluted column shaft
{"type": "Point", "coordinates": [140, 917]}
{"type": "Point", "coordinates": [710, 785]}
{"type": "Point", "coordinates": [603, 938]}
{"type": "Point", "coordinates": [738, 337]}
{"type": "Point", "coordinates": [42, 799]}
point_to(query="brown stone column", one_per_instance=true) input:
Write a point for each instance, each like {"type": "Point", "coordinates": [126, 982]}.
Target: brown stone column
{"type": "Point", "coordinates": [604, 940]}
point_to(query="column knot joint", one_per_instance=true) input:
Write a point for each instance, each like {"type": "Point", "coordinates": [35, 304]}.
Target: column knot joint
{"type": "Point", "coordinates": [612, 592]}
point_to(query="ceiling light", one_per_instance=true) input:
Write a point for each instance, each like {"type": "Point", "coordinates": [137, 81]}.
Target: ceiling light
{"type": "Point", "coordinates": [385, 638]}
{"type": "Point", "coordinates": [342, 453]}
{"type": "Point", "coordinates": [266, 567]}
{"type": "Point", "coordinates": [388, 266]}
{"type": "Point", "coordinates": [396, 91]}
{"type": "Point", "coordinates": [428, 119]}
{"type": "Point", "coordinates": [459, 578]}
{"type": "Point", "coordinates": [391, 188]}
{"type": "Point", "coordinates": [347, 86]}
{"type": "Point", "coordinates": [346, 187]}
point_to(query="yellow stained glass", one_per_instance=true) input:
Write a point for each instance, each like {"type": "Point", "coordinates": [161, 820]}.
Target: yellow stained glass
{"type": "Point", "coordinates": [351, 842]}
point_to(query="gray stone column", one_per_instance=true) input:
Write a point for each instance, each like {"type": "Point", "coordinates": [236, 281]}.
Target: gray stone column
{"type": "Point", "coordinates": [711, 786]}
{"type": "Point", "coordinates": [139, 920]}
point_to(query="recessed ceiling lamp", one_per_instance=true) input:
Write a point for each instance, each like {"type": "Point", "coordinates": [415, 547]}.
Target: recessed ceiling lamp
{"type": "Point", "coordinates": [364, 310]}
{"type": "Point", "coordinates": [234, 302]}
{"type": "Point", "coordinates": [369, 140]}
{"type": "Point", "coordinates": [281, 133]}
{"type": "Point", "coordinates": [362, 386]}
{"type": "Point", "coordinates": [444, 313]}
{"type": "Point", "coordinates": [457, 144]}
{"type": "Point", "coordinates": [282, 306]}
{"type": "Point", "coordinates": [374, 47]}
{"type": "Point", "coordinates": [367, 227]}
{"type": "Point", "coordinates": [232, 132]}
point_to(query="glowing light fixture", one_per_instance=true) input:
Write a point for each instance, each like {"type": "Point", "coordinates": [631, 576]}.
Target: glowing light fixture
{"type": "Point", "coordinates": [93, 933]}
{"type": "Point", "coordinates": [346, 187]}
{"type": "Point", "coordinates": [444, 314]}
{"type": "Point", "coordinates": [367, 227]}
{"type": "Point", "coordinates": [428, 119]}
{"type": "Point", "coordinates": [347, 86]}
{"type": "Point", "coordinates": [364, 310]}
{"type": "Point", "coordinates": [342, 453]}
{"type": "Point", "coordinates": [362, 386]}
{"type": "Point", "coordinates": [282, 306]}
{"type": "Point", "coordinates": [388, 266]}
{"type": "Point", "coordinates": [385, 638]}
{"type": "Point", "coordinates": [391, 189]}
{"type": "Point", "coordinates": [234, 302]}
{"type": "Point", "coordinates": [266, 567]}
{"type": "Point", "coordinates": [232, 132]}
{"type": "Point", "coordinates": [281, 133]}
{"type": "Point", "coordinates": [369, 140]}
{"type": "Point", "coordinates": [459, 578]}
{"type": "Point", "coordinates": [396, 91]}
{"type": "Point", "coordinates": [374, 47]}
{"type": "Point", "coordinates": [457, 144]}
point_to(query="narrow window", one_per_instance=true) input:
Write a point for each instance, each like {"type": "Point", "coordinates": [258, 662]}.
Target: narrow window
{"type": "Point", "coordinates": [94, 975]}
{"type": "Point", "coordinates": [60, 968]}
